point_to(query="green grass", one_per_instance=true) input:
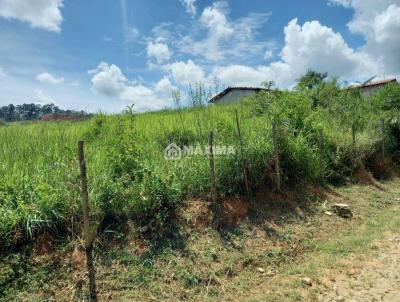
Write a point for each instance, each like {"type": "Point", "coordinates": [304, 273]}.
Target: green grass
{"type": "Point", "coordinates": [129, 178]}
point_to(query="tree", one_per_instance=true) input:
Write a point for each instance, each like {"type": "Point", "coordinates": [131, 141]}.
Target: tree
{"type": "Point", "coordinates": [311, 80]}
{"type": "Point", "coordinates": [28, 112]}
{"type": "Point", "coordinates": [269, 85]}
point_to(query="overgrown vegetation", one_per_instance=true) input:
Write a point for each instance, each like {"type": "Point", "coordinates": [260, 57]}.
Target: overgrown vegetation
{"type": "Point", "coordinates": [130, 180]}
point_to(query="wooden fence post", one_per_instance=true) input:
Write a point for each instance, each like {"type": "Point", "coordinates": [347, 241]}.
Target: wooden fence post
{"type": "Point", "coordinates": [353, 132]}
{"type": "Point", "coordinates": [383, 138]}
{"type": "Point", "coordinates": [88, 234]}
{"type": "Point", "coordinates": [212, 166]}
{"type": "Point", "coordinates": [320, 139]}
{"type": "Point", "coordinates": [242, 155]}
{"type": "Point", "coordinates": [276, 154]}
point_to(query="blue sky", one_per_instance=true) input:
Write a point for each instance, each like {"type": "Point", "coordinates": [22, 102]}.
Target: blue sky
{"type": "Point", "coordinates": [107, 54]}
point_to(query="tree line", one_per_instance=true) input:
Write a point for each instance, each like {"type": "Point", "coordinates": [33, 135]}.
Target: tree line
{"type": "Point", "coordinates": [29, 112]}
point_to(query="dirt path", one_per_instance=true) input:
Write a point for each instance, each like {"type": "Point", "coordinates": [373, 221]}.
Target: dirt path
{"type": "Point", "coordinates": [375, 280]}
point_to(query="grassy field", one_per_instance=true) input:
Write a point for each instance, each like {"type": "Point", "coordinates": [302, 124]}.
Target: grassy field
{"type": "Point", "coordinates": [324, 137]}
{"type": "Point", "coordinates": [130, 178]}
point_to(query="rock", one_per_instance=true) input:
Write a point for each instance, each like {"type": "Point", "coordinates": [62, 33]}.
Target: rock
{"type": "Point", "coordinates": [270, 273]}
{"type": "Point", "coordinates": [339, 299]}
{"type": "Point", "coordinates": [342, 210]}
{"type": "Point", "coordinates": [328, 213]}
{"type": "Point", "coordinates": [307, 281]}
{"type": "Point", "coordinates": [352, 272]}
{"type": "Point", "coordinates": [260, 270]}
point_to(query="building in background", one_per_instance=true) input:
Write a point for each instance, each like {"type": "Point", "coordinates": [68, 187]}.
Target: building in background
{"type": "Point", "coordinates": [234, 94]}
{"type": "Point", "coordinates": [368, 89]}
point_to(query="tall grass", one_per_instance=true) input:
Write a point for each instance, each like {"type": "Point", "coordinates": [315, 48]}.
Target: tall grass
{"type": "Point", "coordinates": [130, 178]}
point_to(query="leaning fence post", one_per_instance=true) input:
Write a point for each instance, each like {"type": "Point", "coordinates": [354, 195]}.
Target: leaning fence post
{"type": "Point", "coordinates": [353, 132]}
{"type": "Point", "coordinates": [88, 235]}
{"type": "Point", "coordinates": [212, 166]}
{"type": "Point", "coordinates": [276, 154]}
{"type": "Point", "coordinates": [242, 155]}
{"type": "Point", "coordinates": [383, 138]}
{"type": "Point", "coordinates": [320, 139]}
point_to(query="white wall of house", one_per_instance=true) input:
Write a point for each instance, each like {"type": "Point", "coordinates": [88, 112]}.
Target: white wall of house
{"type": "Point", "coordinates": [235, 95]}
{"type": "Point", "coordinates": [370, 90]}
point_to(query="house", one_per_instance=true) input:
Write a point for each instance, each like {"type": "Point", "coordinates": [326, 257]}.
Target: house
{"type": "Point", "coordinates": [368, 89]}
{"type": "Point", "coordinates": [234, 94]}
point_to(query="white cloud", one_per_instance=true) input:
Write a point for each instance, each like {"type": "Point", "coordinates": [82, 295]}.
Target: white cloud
{"type": "Point", "coordinates": [108, 80]}
{"type": "Point", "coordinates": [49, 78]}
{"type": "Point", "coordinates": [190, 6]}
{"type": "Point", "coordinates": [239, 75]}
{"type": "Point", "coordinates": [144, 98]}
{"type": "Point", "coordinates": [268, 54]}
{"type": "Point", "coordinates": [41, 97]}
{"type": "Point", "coordinates": [314, 46]}
{"type": "Point", "coordinates": [44, 14]}
{"type": "Point", "coordinates": [345, 3]}
{"type": "Point", "coordinates": [164, 87]}
{"type": "Point", "coordinates": [185, 73]}
{"type": "Point", "coordinates": [379, 23]}
{"type": "Point", "coordinates": [159, 51]}
{"type": "Point", "coordinates": [163, 31]}
{"type": "Point", "coordinates": [310, 46]}
{"type": "Point", "coordinates": [213, 17]}
{"type": "Point", "coordinates": [224, 39]}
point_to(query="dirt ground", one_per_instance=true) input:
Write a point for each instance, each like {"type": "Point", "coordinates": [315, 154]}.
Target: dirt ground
{"type": "Point", "coordinates": [377, 279]}
{"type": "Point", "coordinates": [265, 258]}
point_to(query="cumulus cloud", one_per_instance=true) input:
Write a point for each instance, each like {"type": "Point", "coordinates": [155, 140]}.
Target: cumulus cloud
{"type": "Point", "coordinates": [108, 80]}
{"type": "Point", "coordinates": [190, 6]}
{"type": "Point", "coordinates": [49, 78]}
{"type": "Point", "coordinates": [145, 98]}
{"type": "Point", "coordinates": [41, 97]}
{"type": "Point", "coordinates": [224, 39]}
{"type": "Point", "coordinates": [159, 51]}
{"type": "Point", "coordinates": [185, 73]}
{"type": "Point", "coordinates": [164, 87]}
{"type": "Point", "coordinates": [213, 17]}
{"type": "Point", "coordinates": [379, 23]}
{"type": "Point", "coordinates": [44, 14]}
{"type": "Point", "coordinates": [314, 46]}
{"type": "Point", "coordinates": [240, 75]}
{"type": "Point", "coordinates": [307, 46]}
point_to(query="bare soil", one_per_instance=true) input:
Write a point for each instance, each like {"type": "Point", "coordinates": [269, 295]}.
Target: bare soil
{"type": "Point", "coordinates": [377, 279]}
